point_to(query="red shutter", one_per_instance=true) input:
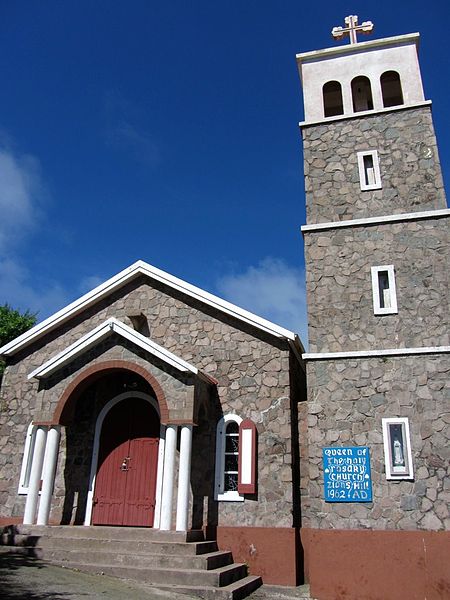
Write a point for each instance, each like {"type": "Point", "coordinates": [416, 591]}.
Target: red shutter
{"type": "Point", "coordinates": [247, 457]}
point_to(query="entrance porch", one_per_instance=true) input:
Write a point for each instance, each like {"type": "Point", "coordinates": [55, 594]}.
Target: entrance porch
{"type": "Point", "coordinates": [110, 459]}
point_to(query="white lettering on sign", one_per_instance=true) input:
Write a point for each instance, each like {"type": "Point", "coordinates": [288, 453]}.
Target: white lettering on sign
{"type": "Point", "coordinates": [347, 474]}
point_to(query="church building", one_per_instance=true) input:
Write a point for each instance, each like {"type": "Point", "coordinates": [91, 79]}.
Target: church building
{"type": "Point", "coordinates": [149, 403]}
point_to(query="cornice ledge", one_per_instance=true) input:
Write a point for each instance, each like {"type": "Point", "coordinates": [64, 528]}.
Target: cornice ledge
{"type": "Point", "coordinates": [376, 353]}
{"type": "Point", "coordinates": [414, 216]}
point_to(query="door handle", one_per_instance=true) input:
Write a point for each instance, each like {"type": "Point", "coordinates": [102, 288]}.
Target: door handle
{"type": "Point", "coordinates": [124, 465]}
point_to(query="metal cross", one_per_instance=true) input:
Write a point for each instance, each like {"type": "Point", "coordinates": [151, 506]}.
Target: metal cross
{"type": "Point", "coordinates": [352, 28]}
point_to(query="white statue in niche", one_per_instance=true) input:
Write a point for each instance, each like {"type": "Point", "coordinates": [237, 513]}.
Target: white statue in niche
{"type": "Point", "coordinates": [398, 453]}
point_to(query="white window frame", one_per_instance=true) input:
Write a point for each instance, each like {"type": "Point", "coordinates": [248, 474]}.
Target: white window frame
{"type": "Point", "coordinates": [376, 185]}
{"type": "Point", "coordinates": [27, 460]}
{"type": "Point", "coordinates": [378, 309]}
{"type": "Point", "coordinates": [405, 471]}
{"type": "Point", "coordinates": [219, 494]}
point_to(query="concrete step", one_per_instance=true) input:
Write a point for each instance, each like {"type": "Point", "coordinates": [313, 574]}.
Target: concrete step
{"type": "Point", "coordinates": [111, 533]}
{"type": "Point", "coordinates": [234, 591]}
{"type": "Point", "coordinates": [114, 556]}
{"type": "Point", "coordinates": [30, 551]}
{"type": "Point", "coordinates": [162, 559]}
{"type": "Point", "coordinates": [52, 543]}
{"type": "Point", "coordinates": [223, 576]}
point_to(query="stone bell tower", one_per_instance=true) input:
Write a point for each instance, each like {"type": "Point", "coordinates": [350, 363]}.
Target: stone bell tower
{"type": "Point", "coordinates": [378, 367]}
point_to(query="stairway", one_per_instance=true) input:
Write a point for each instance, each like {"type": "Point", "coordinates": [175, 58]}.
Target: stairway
{"type": "Point", "coordinates": [182, 562]}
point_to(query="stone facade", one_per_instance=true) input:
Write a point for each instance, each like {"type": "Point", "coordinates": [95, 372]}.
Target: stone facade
{"type": "Point", "coordinates": [339, 286]}
{"type": "Point", "coordinates": [409, 164]}
{"type": "Point", "coordinates": [347, 400]}
{"type": "Point", "coordinates": [258, 377]}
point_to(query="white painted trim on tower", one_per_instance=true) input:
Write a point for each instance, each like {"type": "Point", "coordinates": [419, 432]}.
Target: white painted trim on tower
{"type": "Point", "coordinates": [415, 216]}
{"type": "Point", "coordinates": [365, 173]}
{"type": "Point", "coordinates": [369, 353]}
{"type": "Point", "coordinates": [364, 113]}
{"type": "Point", "coordinates": [393, 472]}
{"type": "Point", "coordinates": [96, 447]}
{"type": "Point", "coordinates": [386, 303]}
{"type": "Point", "coordinates": [315, 55]}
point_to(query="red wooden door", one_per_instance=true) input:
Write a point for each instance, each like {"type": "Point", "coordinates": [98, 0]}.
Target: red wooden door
{"type": "Point", "coordinates": [125, 484]}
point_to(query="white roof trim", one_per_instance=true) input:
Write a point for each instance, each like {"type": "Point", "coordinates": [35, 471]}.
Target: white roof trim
{"type": "Point", "coordinates": [135, 270]}
{"type": "Point", "coordinates": [105, 329]}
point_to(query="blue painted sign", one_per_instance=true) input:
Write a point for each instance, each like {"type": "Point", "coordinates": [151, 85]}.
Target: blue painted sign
{"type": "Point", "coordinates": [346, 474]}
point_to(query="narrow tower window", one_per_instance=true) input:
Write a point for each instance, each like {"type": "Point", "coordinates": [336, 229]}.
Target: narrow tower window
{"type": "Point", "coordinates": [384, 290]}
{"type": "Point", "coordinates": [361, 94]}
{"type": "Point", "coordinates": [397, 448]}
{"type": "Point", "coordinates": [369, 170]}
{"type": "Point", "coordinates": [391, 89]}
{"type": "Point", "coordinates": [332, 99]}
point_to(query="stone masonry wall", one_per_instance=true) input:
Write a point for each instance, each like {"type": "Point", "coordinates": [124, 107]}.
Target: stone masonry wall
{"type": "Point", "coordinates": [412, 180]}
{"type": "Point", "coordinates": [347, 400]}
{"type": "Point", "coordinates": [251, 367]}
{"type": "Point", "coordinates": [339, 286]}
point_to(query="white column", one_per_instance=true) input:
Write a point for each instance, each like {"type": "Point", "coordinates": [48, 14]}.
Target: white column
{"type": "Point", "coordinates": [35, 475]}
{"type": "Point", "coordinates": [184, 477]}
{"type": "Point", "coordinates": [168, 476]}
{"type": "Point", "coordinates": [48, 480]}
{"type": "Point", "coordinates": [159, 477]}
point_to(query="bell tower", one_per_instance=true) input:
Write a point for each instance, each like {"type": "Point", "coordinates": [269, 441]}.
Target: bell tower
{"type": "Point", "coordinates": [377, 270]}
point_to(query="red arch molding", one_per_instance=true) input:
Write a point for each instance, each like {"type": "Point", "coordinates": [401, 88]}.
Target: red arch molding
{"type": "Point", "coordinates": [64, 411]}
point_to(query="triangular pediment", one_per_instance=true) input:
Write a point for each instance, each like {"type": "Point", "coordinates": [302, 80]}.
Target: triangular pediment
{"type": "Point", "coordinates": [139, 269]}
{"type": "Point", "coordinates": [109, 327]}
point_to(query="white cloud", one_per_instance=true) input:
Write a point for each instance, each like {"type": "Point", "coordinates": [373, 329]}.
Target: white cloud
{"type": "Point", "coordinates": [19, 289]}
{"type": "Point", "coordinates": [21, 194]}
{"type": "Point", "coordinates": [20, 191]}
{"type": "Point", "coordinates": [273, 290]}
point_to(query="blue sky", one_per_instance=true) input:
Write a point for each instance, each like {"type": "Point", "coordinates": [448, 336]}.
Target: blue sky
{"type": "Point", "coordinates": [167, 132]}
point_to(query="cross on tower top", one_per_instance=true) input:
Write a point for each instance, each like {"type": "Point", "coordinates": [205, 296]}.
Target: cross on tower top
{"type": "Point", "coordinates": [352, 29]}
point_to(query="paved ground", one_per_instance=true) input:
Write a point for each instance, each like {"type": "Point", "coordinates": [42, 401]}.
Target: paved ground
{"type": "Point", "coordinates": [23, 578]}
{"type": "Point", "coordinates": [30, 579]}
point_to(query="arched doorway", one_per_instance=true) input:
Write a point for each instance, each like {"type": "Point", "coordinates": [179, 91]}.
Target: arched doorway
{"type": "Point", "coordinates": [125, 462]}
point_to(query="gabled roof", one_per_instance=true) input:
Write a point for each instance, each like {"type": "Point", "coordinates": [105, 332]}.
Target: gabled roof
{"type": "Point", "coordinates": [104, 330]}
{"type": "Point", "coordinates": [138, 269]}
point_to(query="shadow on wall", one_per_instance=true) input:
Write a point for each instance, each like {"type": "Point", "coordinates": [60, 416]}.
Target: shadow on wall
{"type": "Point", "coordinates": [207, 413]}
{"type": "Point", "coordinates": [79, 445]}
